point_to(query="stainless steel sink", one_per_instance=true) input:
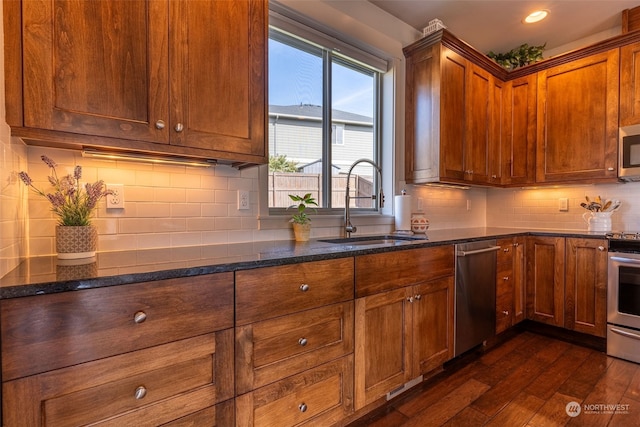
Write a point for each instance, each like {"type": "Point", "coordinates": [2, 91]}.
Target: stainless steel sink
{"type": "Point", "coordinates": [390, 240]}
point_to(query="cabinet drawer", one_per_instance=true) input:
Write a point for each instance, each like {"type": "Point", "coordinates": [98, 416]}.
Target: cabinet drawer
{"type": "Point", "coordinates": [504, 281]}
{"type": "Point", "coordinates": [147, 387]}
{"type": "Point", "coordinates": [276, 348]}
{"type": "Point", "coordinates": [222, 415]}
{"type": "Point", "coordinates": [269, 292]}
{"type": "Point", "coordinates": [386, 271]}
{"type": "Point", "coordinates": [318, 397]}
{"type": "Point", "coordinates": [505, 254]}
{"type": "Point", "coordinates": [75, 327]}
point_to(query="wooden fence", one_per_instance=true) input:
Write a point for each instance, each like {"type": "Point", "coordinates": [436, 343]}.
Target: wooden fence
{"type": "Point", "coordinates": [281, 184]}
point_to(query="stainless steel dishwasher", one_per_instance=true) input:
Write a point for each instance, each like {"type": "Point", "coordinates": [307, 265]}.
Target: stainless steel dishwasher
{"type": "Point", "coordinates": [475, 294]}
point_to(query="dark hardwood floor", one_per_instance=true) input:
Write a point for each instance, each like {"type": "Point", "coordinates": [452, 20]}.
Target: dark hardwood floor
{"type": "Point", "coordinates": [526, 381]}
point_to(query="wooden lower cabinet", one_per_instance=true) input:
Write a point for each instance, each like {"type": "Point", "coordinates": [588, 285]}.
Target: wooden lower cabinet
{"type": "Point", "coordinates": [400, 335]}
{"type": "Point", "coordinates": [273, 349]}
{"type": "Point", "coordinates": [586, 286]}
{"type": "Point", "coordinates": [567, 283]}
{"type": "Point", "coordinates": [143, 354]}
{"type": "Point", "coordinates": [510, 283]}
{"type": "Point", "coordinates": [545, 280]}
{"type": "Point", "coordinates": [320, 396]}
{"type": "Point", "coordinates": [148, 387]}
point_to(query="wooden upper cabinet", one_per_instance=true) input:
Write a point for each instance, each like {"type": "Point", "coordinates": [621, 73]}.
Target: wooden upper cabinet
{"type": "Point", "coordinates": [174, 76]}
{"type": "Point", "coordinates": [578, 120]}
{"type": "Point", "coordinates": [218, 75]}
{"type": "Point", "coordinates": [96, 68]}
{"type": "Point", "coordinates": [519, 131]}
{"type": "Point", "coordinates": [630, 84]}
{"type": "Point", "coordinates": [422, 113]}
{"type": "Point", "coordinates": [479, 90]}
{"type": "Point", "coordinates": [448, 117]}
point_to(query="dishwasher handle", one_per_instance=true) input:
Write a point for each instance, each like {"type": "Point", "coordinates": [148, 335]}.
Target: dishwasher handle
{"type": "Point", "coordinates": [477, 251]}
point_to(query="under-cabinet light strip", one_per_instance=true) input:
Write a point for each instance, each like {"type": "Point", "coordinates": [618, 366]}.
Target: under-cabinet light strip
{"type": "Point", "coordinates": [139, 157]}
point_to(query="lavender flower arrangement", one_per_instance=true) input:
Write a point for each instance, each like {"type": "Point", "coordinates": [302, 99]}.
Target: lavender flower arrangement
{"type": "Point", "coordinates": [69, 203]}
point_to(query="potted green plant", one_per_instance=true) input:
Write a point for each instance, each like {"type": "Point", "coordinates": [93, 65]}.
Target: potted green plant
{"type": "Point", "coordinates": [300, 220]}
{"type": "Point", "coordinates": [73, 204]}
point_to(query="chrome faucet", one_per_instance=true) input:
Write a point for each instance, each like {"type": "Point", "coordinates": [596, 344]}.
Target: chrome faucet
{"type": "Point", "coordinates": [348, 227]}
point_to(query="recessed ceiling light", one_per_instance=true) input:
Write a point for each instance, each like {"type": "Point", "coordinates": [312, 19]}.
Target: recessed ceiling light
{"type": "Point", "coordinates": [536, 16]}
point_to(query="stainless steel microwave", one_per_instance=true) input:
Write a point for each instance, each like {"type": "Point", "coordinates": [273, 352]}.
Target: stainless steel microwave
{"type": "Point", "coordinates": [629, 153]}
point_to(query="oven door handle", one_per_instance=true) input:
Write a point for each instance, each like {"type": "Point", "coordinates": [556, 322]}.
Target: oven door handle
{"type": "Point", "coordinates": [625, 333]}
{"type": "Point", "coordinates": [624, 259]}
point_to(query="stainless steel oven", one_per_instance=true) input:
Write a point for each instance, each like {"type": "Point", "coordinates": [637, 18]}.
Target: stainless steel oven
{"type": "Point", "coordinates": [623, 297]}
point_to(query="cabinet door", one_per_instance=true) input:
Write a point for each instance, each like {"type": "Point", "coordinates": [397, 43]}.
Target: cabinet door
{"type": "Point", "coordinates": [383, 341]}
{"type": "Point", "coordinates": [478, 124]}
{"type": "Point", "coordinates": [630, 84]}
{"type": "Point", "coordinates": [422, 131]}
{"type": "Point", "coordinates": [218, 75]}
{"type": "Point", "coordinates": [453, 114]}
{"type": "Point", "coordinates": [497, 135]}
{"type": "Point", "coordinates": [96, 67]}
{"type": "Point", "coordinates": [519, 131]}
{"type": "Point", "coordinates": [578, 120]}
{"type": "Point", "coordinates": [433, 324]}
{"type": "Point", "coordinates": [586, 286]}
{"type": "Point", "coordinates": [545, 280]}
{"type": "Point", "coordinates": [519, 279]}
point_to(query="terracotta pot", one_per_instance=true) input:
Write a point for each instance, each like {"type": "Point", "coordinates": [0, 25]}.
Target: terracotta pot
{"type": "Point", "coordinates": [73, 242]}
{"type": "Point", "coordinates": [302, 231]}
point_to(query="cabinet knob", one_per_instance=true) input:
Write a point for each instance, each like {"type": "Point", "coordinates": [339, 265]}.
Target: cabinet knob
{"type": "Point", "coordinates": [505, 278]}
{"type": "Point", "coordinates": [515, 245]}
{"type": "Point", "coordinates": [302, 407]}
{"type": "Point", "coordinates": [410, 299]}
{"type": "Point", "coordinates": [159, 125]}
{"type": "Point", "coordinates": [418, 297]}
{"type": "Point", "coordinates": [610, 169]}
{"type": "Point", "coordinates": [304, 287]}
{"type": "Point", "coordinates": [141, 392]}
{"type": "Point", "coordinates": [601, 248]}
{"type": "Point", "coordinates": [505, 312]}
{"type": "Point", "coordinates": [140, 317]}
{"type": "Point", "coordinates": [494, 176]}
{"type": "Point", "coordinates": [179, 127]}
{"type": "Point", "coordinates": [302, 341]}
{"type": "Point", "coordinates": [506, 250]}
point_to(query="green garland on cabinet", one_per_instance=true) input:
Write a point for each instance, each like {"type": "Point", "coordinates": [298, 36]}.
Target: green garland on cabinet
{"type": "Point", "coordinates": [518, 57]}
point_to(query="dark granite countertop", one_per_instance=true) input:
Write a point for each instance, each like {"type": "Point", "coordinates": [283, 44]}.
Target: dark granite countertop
{"type": "Point", "coordinates": [45, 275]}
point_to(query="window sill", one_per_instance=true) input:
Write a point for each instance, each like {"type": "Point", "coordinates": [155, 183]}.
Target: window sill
{"type": "Point", "coordinates": [278, 222]}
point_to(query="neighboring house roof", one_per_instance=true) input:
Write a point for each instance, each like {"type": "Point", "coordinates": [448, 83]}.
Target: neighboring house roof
{"type": "Point", "coordinates": [314, 112]}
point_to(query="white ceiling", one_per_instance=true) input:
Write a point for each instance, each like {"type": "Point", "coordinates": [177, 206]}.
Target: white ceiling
{"type": "Point", "coordinates": [496, 25]}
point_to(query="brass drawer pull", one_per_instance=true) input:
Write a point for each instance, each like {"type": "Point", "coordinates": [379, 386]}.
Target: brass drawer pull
{"type": "Point", "coordinates": [302, 341]}
{"type": "Point", "coordinates": [304, 287]}
{"type": "Point", "coordinates": [141, 392]}
{"type": "Point", "coordinates": [140, 317]}
{"type": "Point", "coordinates": [302, 407]}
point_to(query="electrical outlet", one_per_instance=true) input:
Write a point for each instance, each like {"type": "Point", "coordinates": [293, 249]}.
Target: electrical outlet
{"type": "Point", "coordinates": [420, 204]}
{"type": "Point", "coordinates": [115, 200]}
{"type": "Point", "coordinates": [468, 204]}
{"type": "Point", "coordinates": [243, 200]}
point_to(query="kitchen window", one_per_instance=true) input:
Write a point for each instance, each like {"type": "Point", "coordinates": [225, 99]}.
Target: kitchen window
{"type": "Point", "coordinates": [323, 116]}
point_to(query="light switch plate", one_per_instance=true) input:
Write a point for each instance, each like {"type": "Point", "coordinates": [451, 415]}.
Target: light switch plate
{"type": "Point", "coordinates": [563, 204]}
